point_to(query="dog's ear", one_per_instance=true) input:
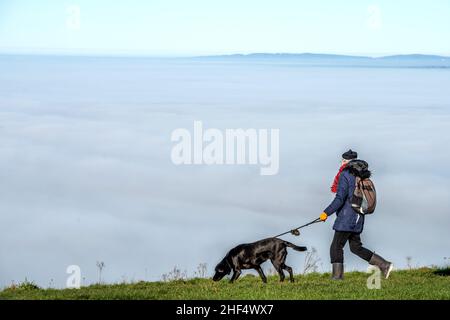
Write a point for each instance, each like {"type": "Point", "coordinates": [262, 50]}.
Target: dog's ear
{"type": "Point", "coordinates": [229, 263]}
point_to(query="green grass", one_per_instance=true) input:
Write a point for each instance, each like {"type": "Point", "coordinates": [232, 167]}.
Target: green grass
{"type": "Point", "coordinates": [424, 283]}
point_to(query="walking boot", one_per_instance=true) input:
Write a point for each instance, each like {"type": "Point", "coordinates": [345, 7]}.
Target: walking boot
{"type": "Point", "coordinates": [385, 266]}
{"type": "Point", "coordinates": [338, 271]}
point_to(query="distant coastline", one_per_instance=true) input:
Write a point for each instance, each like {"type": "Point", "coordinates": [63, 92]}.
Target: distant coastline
{"type": "Point", "coordinates": [314, 59]}
{"type": "Point", "coordinates": [294, 59]}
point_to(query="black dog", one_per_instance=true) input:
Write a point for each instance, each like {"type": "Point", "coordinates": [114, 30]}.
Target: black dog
{"type": "Point", "coordinates": [252, 255]}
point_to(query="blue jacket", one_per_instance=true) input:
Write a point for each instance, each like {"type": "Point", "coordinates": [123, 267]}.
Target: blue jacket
{"type": "Point", "coordinates": [347, 219]}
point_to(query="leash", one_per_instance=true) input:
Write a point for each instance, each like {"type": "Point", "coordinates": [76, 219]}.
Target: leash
{"type": "Point", "coordinates": [295, 231]}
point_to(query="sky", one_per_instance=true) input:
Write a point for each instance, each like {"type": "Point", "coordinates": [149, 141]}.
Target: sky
{"type": "Point", "coordinates": [204, 27]}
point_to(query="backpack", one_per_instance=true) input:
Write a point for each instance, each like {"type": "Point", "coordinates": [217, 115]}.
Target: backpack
{"type": "Point", "coordinates": [364, 198]}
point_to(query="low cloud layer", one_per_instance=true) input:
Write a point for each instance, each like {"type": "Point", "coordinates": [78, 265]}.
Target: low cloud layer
{"type": "Point", "coordinates": [87, 176]}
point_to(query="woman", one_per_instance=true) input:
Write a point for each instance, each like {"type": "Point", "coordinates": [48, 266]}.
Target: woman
{"type": "Point", "coordinates": [349, 224]}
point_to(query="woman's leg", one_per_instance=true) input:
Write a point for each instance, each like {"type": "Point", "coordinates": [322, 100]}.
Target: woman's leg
{"type": "Point", "coordinates": [357, 248]}
{"type": "Point", "coordinates": [337, 246]}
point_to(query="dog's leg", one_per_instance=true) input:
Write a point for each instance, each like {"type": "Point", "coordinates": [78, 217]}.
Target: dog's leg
{"type": "Point", "coordinates": [236, 274]}
{"type": "Point", "coordinates": [282, 276]}
{"type": "Point", "coordinates": [278, 266]}
{"type": "Point", "coordinates": [289, 269]}
{"type": "Point", "coordinates": [281, 273]}
{"type": "Point", "coordinates": [261, 274]}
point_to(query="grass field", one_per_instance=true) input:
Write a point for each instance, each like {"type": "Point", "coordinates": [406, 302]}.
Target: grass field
{"type": "Point", "coordinates": [424, 283]}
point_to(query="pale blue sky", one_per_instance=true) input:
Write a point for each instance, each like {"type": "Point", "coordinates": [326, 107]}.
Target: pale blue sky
{"type": "Point", "coordinates": [195, 27]}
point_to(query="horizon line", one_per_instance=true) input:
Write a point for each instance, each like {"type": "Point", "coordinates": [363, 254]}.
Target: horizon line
{"type": "Point", "coordinates": [174, 56]}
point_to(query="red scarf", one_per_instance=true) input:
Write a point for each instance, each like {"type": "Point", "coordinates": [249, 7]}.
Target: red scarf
{"type": "Point", "coordinates": [336, 179]}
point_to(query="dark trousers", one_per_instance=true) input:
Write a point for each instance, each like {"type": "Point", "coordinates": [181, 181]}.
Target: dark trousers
{"type": "Point", "coordinates": [356, 247]}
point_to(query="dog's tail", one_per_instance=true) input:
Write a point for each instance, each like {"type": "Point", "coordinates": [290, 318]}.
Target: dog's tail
{"type": "Point", "coordinates": [293, 246]}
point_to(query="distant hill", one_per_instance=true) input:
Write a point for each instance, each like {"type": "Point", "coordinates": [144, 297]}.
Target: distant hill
{"type": "Point", "coordinates": [411, 60]}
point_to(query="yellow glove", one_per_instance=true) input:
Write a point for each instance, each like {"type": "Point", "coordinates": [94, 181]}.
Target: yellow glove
{"type": "Point", "coordinates": [323, 216]}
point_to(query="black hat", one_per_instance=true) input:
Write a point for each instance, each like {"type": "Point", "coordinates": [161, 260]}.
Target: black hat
{"type": "Point", "coordinates": [350, 155]}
